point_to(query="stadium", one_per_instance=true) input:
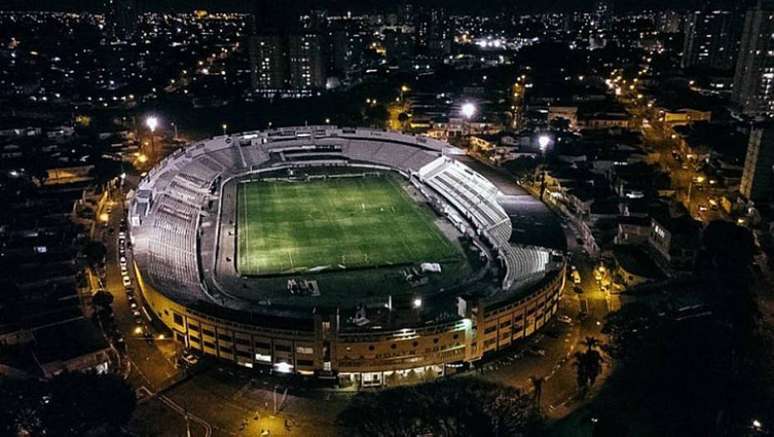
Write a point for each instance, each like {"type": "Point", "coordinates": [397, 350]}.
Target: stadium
{"type": "Point", "coordinates": [353, 254]}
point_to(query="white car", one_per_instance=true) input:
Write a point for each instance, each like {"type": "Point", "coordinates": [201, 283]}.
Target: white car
{"type": "Point", "coordinates": [122, 235]}
{"type": "Point", "coordinates": [189, 359]}
{"type": "Point", "coordinates": [127, 281]}
{"type": "Point", "coordinates": [564, 319]}
{"type": "Point", "coordinates": [124, 270]}
{"type": "Point", "coordinates": [133, 306]}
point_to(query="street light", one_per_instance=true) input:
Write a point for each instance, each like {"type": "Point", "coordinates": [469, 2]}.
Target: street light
{"type": "Point", "coordinates": [224, 126]}
{"type": "Point", "coordinates": [468, 110]}
{"type": "Point", "coordinates": [152, 122]}
{"type": "Point", "coordinates": [543, 142]}
{"type": "Point", "coordinates": [403, 89]}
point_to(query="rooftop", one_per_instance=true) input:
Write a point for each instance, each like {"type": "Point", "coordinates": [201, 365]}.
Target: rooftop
{"type": "Point", "coordinates": [634, 260]}
{"type": "Point", "coordinates": [68, 340]}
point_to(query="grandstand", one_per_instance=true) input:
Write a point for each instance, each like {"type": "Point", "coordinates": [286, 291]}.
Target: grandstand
{"type": "Point", "coordinates": [476, 198]}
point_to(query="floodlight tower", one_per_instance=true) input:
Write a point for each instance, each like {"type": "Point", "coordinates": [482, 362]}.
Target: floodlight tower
{"type": "Point", "coordinates": [543, 142]}
{"type": "Point", "coordinates": [152, 122]}
{"type": "Point", "coordinates": [468, 111]}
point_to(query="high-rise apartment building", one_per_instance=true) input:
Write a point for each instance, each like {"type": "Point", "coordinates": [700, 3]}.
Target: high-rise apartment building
{"type": "Point", "coordinates": [291, 65]}
{"type": "Point", "coordinates": [271, 66]}
{"type": "Point", "coordinates": [433, 32]}
{"type": "Point", "coordinates": [121, 18]}
{"type": "Point", "coordinates": [711, 39]}
{"type": "Point", "coordinates": [305, 62]}
{"type": "Point", "coordinates": [758, 175]}
{"type": "Point", "coordinates": [753, 90]}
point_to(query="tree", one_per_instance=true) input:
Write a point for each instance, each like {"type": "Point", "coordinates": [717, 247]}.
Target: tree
{"type": "Point", "coordinates": [376, 115]}
{"type": "Point", "coordinates": [686, 376]}
{"type": "Point", "coordinates": [630, 330]}
{"type": "Point", "coordinates": [403, 119]}
{"type": "Point", "coordinates": [105, 169]}
{"type": "Point", "coordinates": [102, 298]}
{"type": "Point", "coordinates": [588, 365]}
{"type": "Point", "coordinates": [102, 301]}
{"type": "Point", "coordinates": [521, 166]}
{"type": "Point", "coordinates": [83, 404]}
{"type": "Point", "coordinates": [729, 250]}
{"type": "Point", "coordinates": [459, 406]}
{"type": "Point", "coordinates": [590, 343]}
{"type": "Point", "coordinates": [537, 386]}
{"type": "Point", "coordinates": [95, 252]}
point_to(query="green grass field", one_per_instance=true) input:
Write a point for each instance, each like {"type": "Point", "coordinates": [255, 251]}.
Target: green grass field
{"type": "Point", "coordinates": [288, 227]}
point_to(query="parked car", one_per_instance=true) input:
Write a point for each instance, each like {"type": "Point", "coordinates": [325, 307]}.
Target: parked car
{"type": "Point", "coordinates": [564, 319]}
{"type": "Point", "coordinates": [189, 359]}
{"type": "Point", "coordinates": [127, 281]}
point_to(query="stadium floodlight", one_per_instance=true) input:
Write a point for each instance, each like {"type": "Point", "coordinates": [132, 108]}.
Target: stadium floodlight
{"type": "Point", "coordinates": [152, 122]}
{"type": "Point", "coordinates": [468, 110]}
{"type": "Point", "coordinates": [543, 142]}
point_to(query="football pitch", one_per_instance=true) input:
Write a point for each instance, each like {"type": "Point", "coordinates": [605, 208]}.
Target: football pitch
{"type": "Point", "coordinates": [323, 224]}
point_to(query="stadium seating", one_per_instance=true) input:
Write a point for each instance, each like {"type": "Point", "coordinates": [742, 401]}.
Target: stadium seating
{"type": "Point", "coordinates": [254, 155]}
{"type": "Point", "coordinates": [166, 245]}
{"type": "Point", "coordinates": [165, 227]}
{"type": "Point", "coordinates": [475, 197]}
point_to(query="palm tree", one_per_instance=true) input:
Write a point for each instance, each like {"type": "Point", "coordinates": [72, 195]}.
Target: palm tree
{"type": "Point", "coordinates": [102, 298]}
{"type": "Point", "coordinates": [588, 367]}
{"type": "Point", "coordinates": [590, 343]}
{"type": "Point", "coordinates": [94, 251]}
{"type": "Point", "coordinates": [403, 119]}
{"type": "Point", "coordinates": [537, 385]}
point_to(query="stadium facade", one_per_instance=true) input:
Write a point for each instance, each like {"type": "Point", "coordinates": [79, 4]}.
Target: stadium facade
{"type": "Point", "coordinates": [184, 231]}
